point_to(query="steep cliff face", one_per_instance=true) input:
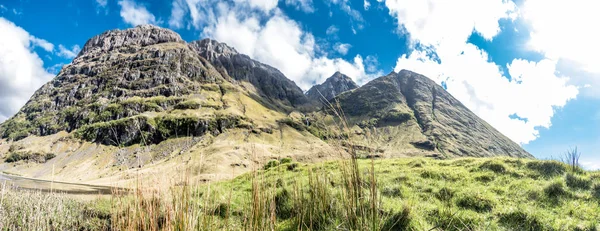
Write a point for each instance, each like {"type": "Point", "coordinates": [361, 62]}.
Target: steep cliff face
{"type": "Point", "coordinates": [269, 82]}
{"type": "Point", "coordinates": [333, 86]}
{"type": "Point", "coordinates": [407, 98]}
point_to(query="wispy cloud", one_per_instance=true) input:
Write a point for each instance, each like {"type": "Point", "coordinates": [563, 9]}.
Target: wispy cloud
{"type": "Point", "coordinates": [41, 43]}
{"type": "Point", "coordinates": [332, 30]}
{"type": "Point", "coordinates": [68, 53]}
{"type": "Point", "coordinates": [101, 5]}
{"type": "Point", "coordinates": [342, 48]}
{"type": "Point", "coordinates": [304, 5]}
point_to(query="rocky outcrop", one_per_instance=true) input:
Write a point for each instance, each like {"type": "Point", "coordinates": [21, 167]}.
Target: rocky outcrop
{"type": "Point", "coordinates": [333, 86]}
{"type": "Point", "coordinates": [140, 36]}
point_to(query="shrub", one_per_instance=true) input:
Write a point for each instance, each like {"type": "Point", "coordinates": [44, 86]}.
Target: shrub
{"type": "Point", "coordinates": [14, 157]}
{"type": "Point", "coordinates": [547, 168]}
{"type": "Point", "coordinates": [577, 182]}
{"type": "Point", "coordinates": [555, 190]}
{"type": "Point", "coordinates": [286, 160]}
{"type": "Point", "coordinates": [49, 156]}
{"type": "Point", "coordinates": [271, 164]}
{"type": "Point", "coordinates": [520, 220]}
{"type": "Point", "coordinates": [29, 156]}
{"type": "Point", "coordinates": [494, 166]}
{"type": "Point", "coordinates": [475, 201]}
{"type": "Point", "coordinates": [292, 166]}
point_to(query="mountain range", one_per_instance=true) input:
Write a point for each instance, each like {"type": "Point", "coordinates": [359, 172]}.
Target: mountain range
{"type": "Point", "coordinates": [144, 101]}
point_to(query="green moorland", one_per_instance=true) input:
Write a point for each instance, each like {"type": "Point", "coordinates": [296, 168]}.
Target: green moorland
{"type": "Point", "coordinates": [390, 194]}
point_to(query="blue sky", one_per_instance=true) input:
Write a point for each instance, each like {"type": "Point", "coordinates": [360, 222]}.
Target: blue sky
{"type": "Point", "coordinates": [528, 73]}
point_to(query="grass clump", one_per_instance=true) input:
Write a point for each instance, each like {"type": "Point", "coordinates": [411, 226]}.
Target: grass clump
{"type": "Point", "coordinates": [485, 178]}
{"type": "Point", "coordinates": [521, 220]}
{"type": "Point", "coordinates": [547, 168]}
{"type": "Point", "coordinates": [494, 166]}
{"type": "Point", "coordinates": [284, 206]}
{"type": "Point", "coordinates": [418, 163]}
{"type": "Point", "coordinates": [393, 191]}
{"type": "Point", "coordinates": [455, 220]}
{"type": "Point", "coordinates": [475, 201]}
{"type": "Point", "coordinates": [577, 182]}
{"type": "Point", "coordinates": [445, 194]}
{"type": "Point", "coordinates": [596, 191]}
{"type": "Point", "coordinates": [187, 105]}
{"type": "Point", "coordinates": [555, 190]}
{"type": "Point", "coordinates": [399, 220]}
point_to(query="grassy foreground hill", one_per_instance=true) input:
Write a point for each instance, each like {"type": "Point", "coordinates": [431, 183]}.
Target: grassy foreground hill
{"type": "Point", "coordinates": [390, 194]}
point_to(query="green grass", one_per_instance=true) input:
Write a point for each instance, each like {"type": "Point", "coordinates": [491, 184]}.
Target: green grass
{"type": "Point", "coordinates": [389, 194]}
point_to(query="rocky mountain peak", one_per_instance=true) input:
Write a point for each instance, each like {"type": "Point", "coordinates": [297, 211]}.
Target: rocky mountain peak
{"type": "Point", "coordinates": [333, 86]}
{"type": "Point", "coordinates": [212, 49]}
{"type": "Point", "coordinates": [139, 36]}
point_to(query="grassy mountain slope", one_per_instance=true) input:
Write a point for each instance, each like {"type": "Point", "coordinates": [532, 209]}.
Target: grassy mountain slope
{"type": "Point", "coordinates": [410, 194]}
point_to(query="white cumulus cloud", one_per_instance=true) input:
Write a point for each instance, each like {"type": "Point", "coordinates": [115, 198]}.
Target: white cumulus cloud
{"type": "Point", "coordinates": [563, 30]}
{"type": "Point", "coordinates": [21, 69]}
{"type": "Point", "coordinates": [135, 14]}
{"type": "Point", "coordinates": [439, 30]}
{"type": "Point", "coordinates": [267, 37]}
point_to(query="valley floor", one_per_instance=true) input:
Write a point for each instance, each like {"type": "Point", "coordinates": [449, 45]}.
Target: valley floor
{"type": "Point", "coordinates": [388, 194]}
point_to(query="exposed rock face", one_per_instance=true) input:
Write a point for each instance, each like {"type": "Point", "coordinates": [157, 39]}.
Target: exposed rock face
{"type": "Point", "coordinates": [449, 126]}
{"type": "Point", "coordinates": [333, 86]}
{"type": "Point", "coordinates": [119, 76]}
{"type": "Point", "coordinates": [140, 36]}
{"type": "Point", "coordinates": [269, 82]}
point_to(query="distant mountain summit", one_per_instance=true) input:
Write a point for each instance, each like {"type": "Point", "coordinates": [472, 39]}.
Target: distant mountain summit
{"type": "Point", "coordinates": [143, 97]}
{"type": "Point", "coordinates": [430, 117]}
{"type": "Point", "coordinates": [333, 86]}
